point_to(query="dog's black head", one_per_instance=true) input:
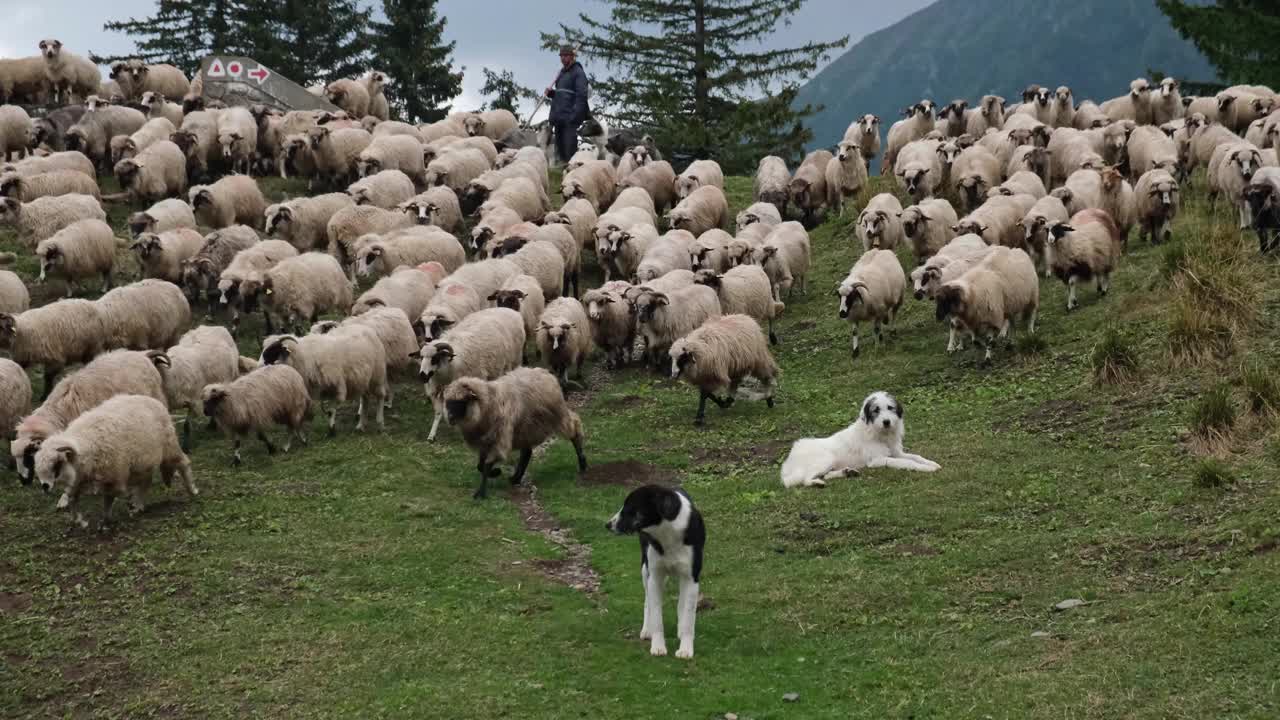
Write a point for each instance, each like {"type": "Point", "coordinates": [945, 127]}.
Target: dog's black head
{"type": "Point", "coordinates": [645, 507]}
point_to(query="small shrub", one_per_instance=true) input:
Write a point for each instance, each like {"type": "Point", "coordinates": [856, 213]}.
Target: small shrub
{"type": "Point", "coordinates": [1261, 387]}
{"type": "Point", "coordinates": [1215, 414]}
{"type": "Point", "coordinates": [1115, 359]}
{"type": "Point", "coordinates": [1213, 473]}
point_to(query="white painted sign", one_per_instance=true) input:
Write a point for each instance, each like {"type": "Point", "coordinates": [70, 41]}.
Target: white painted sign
{"type": "Point", "coordinates": [259, 73]}
{"type": "Point", "coordinates": [216, 69]}
{"type": "Point", "coordinates": [235, 69]}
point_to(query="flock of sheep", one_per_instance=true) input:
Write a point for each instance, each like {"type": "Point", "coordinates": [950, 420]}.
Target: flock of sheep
{"type": "Point", "coordinates": [473, 268]}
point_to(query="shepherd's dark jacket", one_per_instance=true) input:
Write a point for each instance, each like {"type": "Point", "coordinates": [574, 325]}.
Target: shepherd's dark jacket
{"type": "Point", "coordinates": [569, 104]}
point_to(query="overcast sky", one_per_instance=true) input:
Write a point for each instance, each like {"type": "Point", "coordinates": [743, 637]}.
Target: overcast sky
{"type": "Point", "coordinates": [496, 33]}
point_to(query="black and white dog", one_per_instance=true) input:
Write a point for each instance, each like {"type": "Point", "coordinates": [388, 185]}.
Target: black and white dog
{"type": "Point", "coordinates": [672, 537]}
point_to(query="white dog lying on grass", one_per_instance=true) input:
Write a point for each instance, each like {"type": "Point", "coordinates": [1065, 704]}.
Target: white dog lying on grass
{"type": "Point", "coordinates": [874, 440]}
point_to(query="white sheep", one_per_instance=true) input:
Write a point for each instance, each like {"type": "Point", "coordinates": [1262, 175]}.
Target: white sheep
{"type": "Point", "coordinates": [241, 281]}
{"type": "Point", "coordinates": [82, 250]}
{"type": "Point", "coordinates": [350, 95]}
{"type": "Point", "coordinates": [492, 124]}
{"type": "Point", "coordinates": [661, 257]}
{"type": "Point", "coordinates": [437, 206]}
{"type": "Point", "coordinates": [880, 224]}
{"type": "Point", "coordinates": [522, 294]}
{"type": "Point", "coordinates": [744, 290]}
{"type": "Point", "coordinates": [15, 396]}
{"type": "Point", "coordinates": [235, 199]}
{"type": "Point", "coordinates": [200, 273]}
{"type": "Point", "coordinates": [1231, 169]}
{"type": "Point", "coordinates": [161, 254]}
{"type": "Point", "coordinates": [564, 337]}
{"type": "Point", "coordinates": [664, 317]}
{"type": "Point", "coordinates": [336, 152]}
{"type": "Point", "coordinates": [67, 75]}
{"type": "Point", "coordinates": [15, 132]}
{"type": "Point", "coordinates": [718, 355]}
{"type": "Point", "coordinates": [137, 79]}
{"type": "Point", "coordinates": [579, 217]}
{"type": "Point", "coordinates": [785, 257]}
{"type": "Point", "coordinates": [1047, 212]}
{"type": "Point", "coordinates": [40, 219]}
{"type": "Point", "coordinates": [51, 184]}
{"type": "Point", "coordinates": [1135, 106]}
{"type": "Point", "coordinates": [865, 133]}
{"type": "Point", "coordinates": [160, 107]}
{"type": "Point", "coordinates": [237, 138]}
{"type": "Point", "coordinates": [346, 363]}
{"type": "Point", "coordinates": [613, 326]}
{"type": "Point", "coordinates": [203, 356]}
{"type": "Point", "coordinates": [873, 290]}
{"type": "Point", "coordinates": [253, 402]}
{"type": "Point", "coordinates": [53, 336]}
{"type": "Point", "coordinates": [394, 331]}
{"type": "Point", "coordinates": [1158, 200]}
{"type": "Point", "coordinates": [145, 315]}
{"type": "Point", "coordinates": [988, 114]}
{"type": "Point", "coordinates": [353, 222]}
{"type": "Point", "coordinates": [485, 344]}
{"type": "Point", "coordinates": [987, 299]}
{"type": "Point", "coordinates": [705, 208]}
{"type": "Point", "coordinates": [1088, 247]}
{"type": "Point", "coordinates": [304, 222]}
{"type": "Point", "coordinates": [807, 191]}
{"type": "Point", "coordinates": [386, 189]}
{"type": "Point", "coordinates": [846, 175]}
{"type": "Point", "coordinates": [1032, 159]}
{"type": "Point", "coordinates": [1166, 105]}
{"type": "Point", "coordinates": [1149, 148]}
{"type": "Point", "coordinates": [411, 246]}
{"type": "Point", "coordinates": [300, 288]}
{"type": "Point", "coordinates": [14, 297]}
{"type": "Point", "coordinates": [975, 172]}
{"type": "Point", "coordinates": [996, 220]}
{"type": "Point", "coordinates": [699, 174]}
{"type": "Point", "coordinates": [153, 131]}
{"type": "Point", "coordinates": [522, 195]}
{"type": "Point", "coordinates": [919, 121]}
{"type": "Point", "coordinates": [1022, 182]}
{"type": "Point", "coordinates": [198, 139]}
{"type": "Point", "coordinates": [596, 182]}
{"type": "Point", "coordinates": [163, 216]}
{"type": "Point", "coordinates": [65, 160]}
{"type": "Point", "coordinates": [542, 260]}
{"type": "Point", "coordinates": [953, 260]}
{"type": "Point", "coordinates": [158, 172]}
{"type": "Point", "coordinates": [1083, 189]}
{"type": "Point", "coordinates": [408, 288]}
{"type": "Point", "coordinates": [772, 182]}
{"type": "Point", "coordinates": [919, 169]}
{"type": "Point", "coordinates": [927, 225]}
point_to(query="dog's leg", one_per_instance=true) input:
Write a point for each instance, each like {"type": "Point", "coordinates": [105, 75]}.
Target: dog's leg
{"type": "Point", "coordinates": [687, 611]}
{"type": "Point", "coordinates": [645, 631]}
{"type": "Point", "coordinates": [839, 473]}
{"type": "Point", "coordinates": [920, 460]}
{"type": "Point", "coordinates": [653, 612]}
{"type": "Point", "coordinates": [900, 464]}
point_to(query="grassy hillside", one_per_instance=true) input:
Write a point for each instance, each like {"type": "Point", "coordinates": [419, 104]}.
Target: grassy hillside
{"type": "Point", "coordinates": [357, 578]}
{"type": "Point", "coordinates": [969, 48]}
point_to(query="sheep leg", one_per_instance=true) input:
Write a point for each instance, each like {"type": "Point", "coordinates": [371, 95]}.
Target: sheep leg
{"type": "Point", "coordinates": [582, 456]}
{"type": "Point", "coordinates": [486, 469]}
{"type": "Point", "coordinates": [521, 465]}
{"type": "Point", "coordinates": [1072, 303]}
{"type": "Point", "coordinates": [106, 281]}
{"type": "Point", "coordinates": [1104, 283]}
{"type": "Point", "coordinates": [951, 340]}
{"type": "Point", "coordinates": [186, 432]}
{"type": "Point", "coordinates": [854, 342]}
{"type": "Point", "coordinates": [435, 425]}
{"type": "Point", "coordinates": [271, 449]}
{"type": "Point", "coordinates": [136, 504]}
{"type": "Point", "coordinates": [773, 337]}
{"type": "Point", "coordinates": [879, 335]}
{"type": "Point", "coordinates": [360, 414]}
{"type": "Point", "coordinates": [50, 375]}
{"type": "Point", "coordinates": [701, 417]}
{"type": "Point", "coordinates": [380, 402]}
{"type": "Point", "coordinates": [1031, 320]}
{"type": "Point", "coordinates": [1244, 215]}
{"type": "Point", "coordinates": [390, 398]}
{"type": "Point", "coordinates": [107, 500]}
{"type": "Point", "coordinates": [235, 453]}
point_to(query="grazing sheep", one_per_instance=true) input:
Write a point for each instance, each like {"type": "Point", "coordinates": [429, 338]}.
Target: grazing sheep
{"type": "Point", "coordinates": [1047, 212]}
{"type": "Point", "coordinates": [437, 206]}
{"type": "Point", "coordinates": [233, 200]}
{"type": "Point", "coordinates": [518, 411]}
{"type": "Point", "coordinates": [991, 296]}
{"type": "Point", "coordinates": [927, 226]}
{"type": "Point", "coordinates": [67, 75]}
{"type": "Point", "coordinates": [302, 287]}
{"type": "Point", "coordinates": [346, 363]}
{"type": "Point", "coordinates": [785, 257]}
{"type": "Point", "coordinates": [68, 160]}
{"type": "Point", "coordinates": [744, 290]}
{"type": "Point", "coordinates": [1158, 200]}
{"type": "Point", "coordinates": [145, 315]}
{"type": "Point", "coordinates": [112, 450]}
{"type": "Point", "coordinates": [53, 336]}
{"type": "Point", "coordinates": [42, 218]}
{"type": "Point", "coordinates": [158, 172]}
{"type": "Point", "coordinates": [15, 398]}
{"type": "Point", "coordinates": [14, 297]}
{"type": "Point", "coordinates": [386, 189]}
{"type": "Point", "coordinates": [336, 152]}
{"type": "Point", "coordinates": [166, 215]}
{"type": "Point", "coordinates": [596, 182]}
{"type": "Point", "coordinates": [411, 246]}
{"type": "Point", "coordinates": [203, 356]}
{"type": "Point", "coordinates": [82, 250]}
{"type": "Point", "coordinates": [772, 183]}
{"type": "Point", "coordinates": [161, 255]}
{"type": "Point", "coordinates": [353, 222]}
{"type": "Point", "coordinates": [705, 208]}
{"type": "Point", "coordinates": [350, 95]}
{"type": "Point", "coordinates": [28, 188]}
{"type": "Point", "coordinates": [846, 175]}
{"type": "Point", "coordinates": [613, 326]}
{"type": "Point", "coordinates": [880, 223]}
{"type": "Point", "coordinates": [872, 291]}
{"type": "Point", "coordinates": [919, 121]}
{"type": "Point", "coordinates": [408, 288]}
{"type": "Point", "coordinates": [699, 173]}
{"type": "Point", "coordinates": [664, 317]}
{"type": "Point", "coordinates": [394, 331]}
{"type": "Point", "coordinates": [975, 172]}
{"type": "Point", "coordinates": [1086, 248]}
{"type": "Point", "coordinates": [304, 222]}
{"type": "Point", "coordinates": [269, 395]}
{"type": "Point", "coordinates": [579, 217]}
{"type": "Point", "coordinates": [1023, 182]}
{"type": "Point", "coordinates": [564, 337]}
{"type": "Point", "coordinates": [484, 345]}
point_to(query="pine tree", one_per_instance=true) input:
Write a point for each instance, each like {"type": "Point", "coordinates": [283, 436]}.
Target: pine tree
{"type": "Point", "coordinates": [418, 63]}
{"type": "Point", "coordinates": [180, 33]}
{"type": "Point", "coordinates": [506, 92]}
{"type": "Point", "coordinates": [307, 41]}
{"type": "Point", "coordinates": [682, 70]}
{"type": "Point", "coordinates": [1237, 36]}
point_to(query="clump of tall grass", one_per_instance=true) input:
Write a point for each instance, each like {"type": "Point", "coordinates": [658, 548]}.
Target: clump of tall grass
{"type": "Point", "coordinates": [1114, 358]}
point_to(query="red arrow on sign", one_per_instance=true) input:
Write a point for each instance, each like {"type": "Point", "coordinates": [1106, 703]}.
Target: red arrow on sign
{"type": "Point", "coordinates": [259, 73]}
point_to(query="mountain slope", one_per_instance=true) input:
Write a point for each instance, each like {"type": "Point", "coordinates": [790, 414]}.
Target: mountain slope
{"type": "Point", "coordinates": [967, 48]}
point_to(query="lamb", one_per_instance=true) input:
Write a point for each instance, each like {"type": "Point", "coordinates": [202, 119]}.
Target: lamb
{"type": "Point", "coordinates": [518, 411]}
{"type": "Point", "coordinates": [927, 225]}
{"type": "Point", "coordinates": [974, 173]}
{"type": "Point", "coordinates": [233, 200]}
{"type": "Point", "coordinates": [14, 297]}
{"type": "Point", "coordinates": [988, 114]}
{"type": "Point", "coordinates": [304, 222]}
{"type": "Point", "coordinates": [785, 256]}
{"type": "Point", "coordinates": [594, 182]}
{"type": "Point", "coordinates": [15, 131]}
{"type": "Point", "coordinates": [407, 288]}
{"type": "Point", "coordinates": [522, 294]}
{"type": "Point", "coordinates": [302, 287]}
{"type": "Point", "coordinates": [335, 153]}
{"type": "Point", "coordinates": [53, 336]}
{"type": "Point", "coordinates": [579, 217]}
{"type": "Point", "coordinates": [996, 220]}
{"type": "Point", "coordinates": [485, 344]}
{"type": "Point", "coordinates": [15, 396]}
{"type": "Point", "coordinates": [138, 79]}
{"type": "Point", "coordinates": [437, 206]}
{"type": "Point", "coordinates": [203, 356]}
{"type": "Point", "coordinates": [28, 188]}
{"type": "Point", "coordinates": [411, 246]}
{"type": "Point", "coordinates": [67, 75]}
{"type": "Point", "coordinates": [699, 173]}
{"type": "Point", "coordinates": [492, 124]}
{"type": "Point", "coordinates": [1149, 148]}
{"type": "Point", "coordinates": [846, 175]}
{"type": "Point", "coordinates": [990, 296]}
{"type": "Point", "coordinates": [1047, 212]}
{"type": "Point", "coordinates": [1086, 248]}
{"type": "Point", "coordinates": [112, 450]}
{"type": "Point", "coordinates": [198, 139]}
{"type": "Point", "coordinates": [705, 208]}
{"type": "Point", "coordinates": [919, 169]}
{"type": "Point", "coordinates": [1022, 182]}
{"type": "Point", "coordinates": [157, 172]}
{"type": "Point", "coordinates": [350, 95]}
{"type": "Point", "coordinates": [44, 217]}
{"type": "Point", "coordinates": [403, 153]}
{"type": "Point", "coordinates": [613, 326]}
{"type": "Point", "coordinates": [163, 216]}
{"type": "Point", "coordinates": [664, 317]}
{"type": "Point", "coordinates": [563, 337]}
{"type": "Point", "coordinates": [161, 255]}
{"type": "Point", "coordinates": [744, 290]}
{"type": "Point", "coordinates": [880, 224]}
{"type": "Point", "coordinates": [349, 224]}
{"type": "Point", "coordinates": [349, 362]}
{"type": "Point", "coordinates": [773, 180]}
{"type": "Point", "coordinates": [386, 189]}
{"type": "Point", "coordinates": [873, 291]}
{"type": "Point", "coordinates": [237, 139]}
{"type": "Point", "coordinates": [1082, 190]}
{"type": "Point", "coordinates": [454, 169]}
{"type": "Point", "coordinates": [160, 108]}
{"type": "Point", "coordinates": [393, 330]}
{"type": "Point", "coordinates": [82, 250]}
{"type": "Point", "coordinates": [919, 121]}
{"type": "Point", "coordinates": [200, 273]}
{"type": "Point", "coordinates": [145, 315]}
{"type": "Point", "coordinates": [240, 282]}
{"type": "Point", "coordinates": [270, 394]}
{"type": "Point", "coordinates": [1157, 200]}
{"type": "Point", "coordinates": [374, 83]}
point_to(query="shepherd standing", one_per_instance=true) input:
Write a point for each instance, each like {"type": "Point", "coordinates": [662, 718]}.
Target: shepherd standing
{"type": "Point", "coordinates": [568, 96]}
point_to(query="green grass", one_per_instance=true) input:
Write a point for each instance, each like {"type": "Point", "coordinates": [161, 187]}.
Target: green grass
{"type": "Point", "coordinates": [1215, 412]}
{"type": "Point", "coordinates": [356, 577]}
{"type": "Point", "coordinates": [1213, 473]}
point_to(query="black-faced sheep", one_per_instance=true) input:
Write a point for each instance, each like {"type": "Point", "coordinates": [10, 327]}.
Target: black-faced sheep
{"type": "Point", "coordinates": [1086, 248]}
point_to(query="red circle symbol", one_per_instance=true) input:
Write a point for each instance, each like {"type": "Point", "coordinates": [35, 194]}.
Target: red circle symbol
{"type": "Point", "coordinates": [234, 68]}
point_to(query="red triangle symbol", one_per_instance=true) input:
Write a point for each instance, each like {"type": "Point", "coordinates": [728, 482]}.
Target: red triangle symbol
{"type": "Point", "coordinates": [216, 70]}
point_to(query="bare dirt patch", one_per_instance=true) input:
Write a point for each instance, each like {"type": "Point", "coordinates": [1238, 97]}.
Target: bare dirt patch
{"type": "Point", "coordinates": [768, 452]}
{"type": "Point", "coordinates": [14, 603]}
{"type": "Point", "coordinates": [1054, 416]}
{"type": "Point", "coordinates": [574, 569]}
{"type": "Point", "coordinates": [628, 473]}
{"type": "Point", "coordinates": [912, 550]}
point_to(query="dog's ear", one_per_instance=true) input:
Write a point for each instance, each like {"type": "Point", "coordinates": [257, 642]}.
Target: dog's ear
{"type": "Point", "coordinates": [866, 411]}
{"type": "Point", "coordinates": [898, 409]}
{"type": "Point", "coordinates": [669, 505]}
